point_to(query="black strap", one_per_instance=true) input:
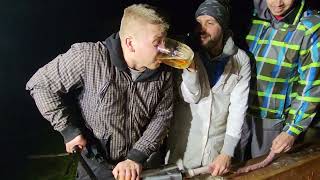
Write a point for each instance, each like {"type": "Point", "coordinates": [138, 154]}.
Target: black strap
{"type": "Point", "coordinates": [77, 152]}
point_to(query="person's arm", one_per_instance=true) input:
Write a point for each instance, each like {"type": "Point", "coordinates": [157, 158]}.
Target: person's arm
{"type": "Point", "coordinates": [238, 106]}
{"type": "Point", "coordinates": [305, 93]}
{"type": "Point", "coordinates": [50, 82]}
{"type": "Point", "coordinates": [158, 127]}
{"type": "Point", "coordinates": [190, 86]}
{"type": "Point", "coordinates": [237, 111]}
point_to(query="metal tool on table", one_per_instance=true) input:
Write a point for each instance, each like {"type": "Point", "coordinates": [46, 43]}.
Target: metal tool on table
{"type": "Point", "coordinates": [173, 172]}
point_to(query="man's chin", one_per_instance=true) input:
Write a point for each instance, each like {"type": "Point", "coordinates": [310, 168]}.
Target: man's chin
{"type": "Point", "coordinates": [208, 45]}
{"type": "Point", "coordinates": [203, 42]}
{"type": "Point", "coordinates": [154, 66]}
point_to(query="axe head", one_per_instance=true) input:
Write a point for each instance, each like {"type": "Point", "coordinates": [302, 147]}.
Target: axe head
{"type": "Point", "coordinates": [167, 172]}
{"type": "Point", "coordinates": [167, 176]}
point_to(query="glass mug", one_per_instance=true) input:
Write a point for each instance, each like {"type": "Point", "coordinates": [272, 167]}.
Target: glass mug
{"type": "Point", "coordinates": [175, 54]}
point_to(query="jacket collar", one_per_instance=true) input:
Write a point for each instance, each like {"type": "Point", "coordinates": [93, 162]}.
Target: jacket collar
{"type": "Point", "coordinates": [112, 43]}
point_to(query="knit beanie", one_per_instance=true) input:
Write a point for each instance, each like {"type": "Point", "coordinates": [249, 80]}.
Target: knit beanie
{"type": "Point", "coordinates": [218, 9]}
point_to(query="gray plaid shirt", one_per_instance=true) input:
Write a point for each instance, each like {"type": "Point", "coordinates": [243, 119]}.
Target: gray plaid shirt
{"type": "Point", "coordinates": [134, 115]}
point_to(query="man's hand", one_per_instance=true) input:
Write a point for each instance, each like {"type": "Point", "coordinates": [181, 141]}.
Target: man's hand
{"type": "Point", "coordinates": [192, 67]}
{"type": "Point", "coordinates": [282, 143]}
{"type": "Point", "coordinates": [220, 165]}
{"type": "Point", "coordinates": [127, 170]}
{"type": "Point", "coordinates": [79, 141]}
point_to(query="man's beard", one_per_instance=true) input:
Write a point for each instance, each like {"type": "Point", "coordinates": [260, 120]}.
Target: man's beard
{"type": "Point", "coordinates": [213, 46]}
{"type": "Point", "coordinates": [210, 44]}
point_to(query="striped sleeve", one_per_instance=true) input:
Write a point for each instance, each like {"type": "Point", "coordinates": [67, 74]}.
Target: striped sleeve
{"type": "Point", "coordinates": [50, 82]}
{"type": "Point", "coordinates": [306, 91]}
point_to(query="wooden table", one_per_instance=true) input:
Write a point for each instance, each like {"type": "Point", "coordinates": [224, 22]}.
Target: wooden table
{"type": "Point", "coordinates": [302, 163]}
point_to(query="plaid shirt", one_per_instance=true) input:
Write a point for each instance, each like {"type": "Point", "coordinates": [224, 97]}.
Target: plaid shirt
{"type": "Point", "coordinates": [287, 69]}
{"type": "Point", "coordinates": [134, 115]}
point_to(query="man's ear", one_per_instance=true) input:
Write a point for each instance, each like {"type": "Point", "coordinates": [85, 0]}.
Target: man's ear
{"type": "Point", "coordinates": [129, 43]}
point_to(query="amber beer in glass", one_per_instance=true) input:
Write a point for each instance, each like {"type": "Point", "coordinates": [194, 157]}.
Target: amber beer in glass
{"type": "Point", "coordinates": [175, 54]}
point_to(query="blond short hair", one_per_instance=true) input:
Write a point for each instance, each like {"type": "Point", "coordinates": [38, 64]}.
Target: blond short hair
{"type": "Point", "coordinates": [140, 13]}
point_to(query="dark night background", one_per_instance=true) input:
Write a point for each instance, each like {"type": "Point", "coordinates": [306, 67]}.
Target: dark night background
{"type": "Point", "coordinates": [35, 31]}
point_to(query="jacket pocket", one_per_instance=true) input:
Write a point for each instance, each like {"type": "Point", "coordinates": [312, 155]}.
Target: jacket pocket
{"type": "Point", "coordinates": [230, 83]}
{"type": "Point", "coordinates": [146, 99]}
{"type": "Point", "coordinates": [102, 94]}
{"type": "Point", "coordinates": [218, 142]}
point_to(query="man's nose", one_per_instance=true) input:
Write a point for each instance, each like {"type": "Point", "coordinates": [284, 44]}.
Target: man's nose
{"type": "Point", "coordinates": [278, 2]}
{"type": "Point", "coordinates": [201, 28]}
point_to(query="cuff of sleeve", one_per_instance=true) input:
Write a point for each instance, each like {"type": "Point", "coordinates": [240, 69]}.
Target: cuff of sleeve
{"type": "Point", "coordinates": [229, 145]}
{"type": "Point", "coordinates": [137, 156]}
{"type": "Point", "coordinates": [191, 80]}
{"type": "Point", "coordinates": [293, 130]}
{"type": "Point", "coordinates": [69, 133]}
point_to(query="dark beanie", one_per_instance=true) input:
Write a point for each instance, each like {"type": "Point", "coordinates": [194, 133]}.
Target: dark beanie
{"type": "Point", "coordinates": [219, 9]}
